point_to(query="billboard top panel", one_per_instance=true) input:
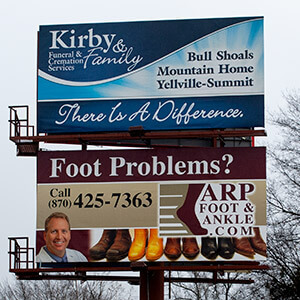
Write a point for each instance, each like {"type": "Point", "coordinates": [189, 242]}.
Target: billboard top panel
{"type": "Point", "coordinates": [104, 51]}
{"type": "Point", "coordinates": [162, 75]}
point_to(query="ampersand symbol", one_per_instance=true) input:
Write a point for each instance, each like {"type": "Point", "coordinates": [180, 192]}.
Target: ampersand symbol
{"type": "Point", "coordinates": [249, 208]}
{"type": "Point", "coordinates": [119, 46]}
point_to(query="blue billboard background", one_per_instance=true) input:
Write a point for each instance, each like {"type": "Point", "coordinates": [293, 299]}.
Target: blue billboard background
{"type": "Point", "coordinates": [163, 75]}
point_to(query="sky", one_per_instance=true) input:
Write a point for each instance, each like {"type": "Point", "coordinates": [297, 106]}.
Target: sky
{"type": "Point", "coordinates": [20, 22]}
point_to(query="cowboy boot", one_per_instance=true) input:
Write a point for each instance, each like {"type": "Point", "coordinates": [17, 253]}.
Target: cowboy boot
{"type": "Point", "coordinates": [209, 247]}
{"type": "Point", "coordinates": [98, 251]}
{"type": "Point", "coordinates": [243, 246]}
{"type": "Point", "coordinates": [225, 247]}
{"type": "Point", "coordinates": [155, 246]}
{"type": "Point", "coordinates": [172, 248]}
{"type": "Point", "coordinates": [190, 247]}
{"type": "Point", "coordinates": [258, 243]}
{"type": "Point", "coordinates": [138, 246]}
{"type": "Point", "coordinates": [119, 249]}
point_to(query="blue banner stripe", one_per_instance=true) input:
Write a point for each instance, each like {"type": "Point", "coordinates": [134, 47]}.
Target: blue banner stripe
{"type": "Point", "coordinates": [152, 114]}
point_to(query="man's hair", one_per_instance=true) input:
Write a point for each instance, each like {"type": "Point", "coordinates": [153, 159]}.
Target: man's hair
{"type": "Point", "coordinates": [56, 215]}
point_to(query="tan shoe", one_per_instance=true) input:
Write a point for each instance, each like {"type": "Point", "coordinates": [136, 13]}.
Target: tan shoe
{"type": "Point", "coordinates": [138, 246]}
{"type": "Point", "coordinates": [155, 247]}
{"type": "Point", "coordinates": [99, 250]}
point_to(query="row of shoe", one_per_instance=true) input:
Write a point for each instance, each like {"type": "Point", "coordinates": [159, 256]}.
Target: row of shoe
{"type": "Point", "coordinates": [115, 245]}
{"type": "Point", "coordinates": [211, 247]}
{"type": "Point", "coordinates": [226, 247]}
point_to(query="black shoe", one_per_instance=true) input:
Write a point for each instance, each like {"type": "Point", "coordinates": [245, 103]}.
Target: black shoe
{"type": "Point", "coordinates": [209, 247]}
{"type": "Point", "coordinates": [225, 247]}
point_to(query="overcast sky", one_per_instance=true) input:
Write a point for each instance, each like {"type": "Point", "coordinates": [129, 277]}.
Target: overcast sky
{"type": "Point", "coordinates": [20, 21]}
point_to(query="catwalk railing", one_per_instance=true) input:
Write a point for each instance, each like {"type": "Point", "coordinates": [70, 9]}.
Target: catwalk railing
{"type": "Point", "coordinates": [22, 263]}
{"type": "Point", "coordinates": [22, 134]}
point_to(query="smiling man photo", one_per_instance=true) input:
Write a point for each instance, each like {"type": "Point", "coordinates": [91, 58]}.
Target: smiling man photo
{"type": "Point", "coordinates": [57, 236]}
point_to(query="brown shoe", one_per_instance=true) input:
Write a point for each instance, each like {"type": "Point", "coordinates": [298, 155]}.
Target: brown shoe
{"type": "Point", "coordinates": [99, 250]}
{"type": "Point", "coordinates": [190, 247]}
{"type": "Point", "coordinates": [173, 248]}
{"type": "Point", "coordinates": [243, 246]}
{"type": "Point", "coordinates": [119, 249]}
{"type": "Point", "coordinates": [258, 243]}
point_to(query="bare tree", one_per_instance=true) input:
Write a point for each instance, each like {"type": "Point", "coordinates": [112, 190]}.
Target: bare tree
{"type": "Point", "coordinates": [203, 291]}
{"type": "Point", "coordinates": [61, 290]}
{"type": "Point", "coordinates": [282, 281]}
{"type": "Point", "coordinates": [283, 199]}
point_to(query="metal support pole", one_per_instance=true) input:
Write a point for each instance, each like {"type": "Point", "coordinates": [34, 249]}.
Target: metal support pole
{"type": "Point", "coordinates": [144, 284]}
{"type": "Point", "coordinates": [151, 285]}
{"type": "Point", "coordinates": [156, 285]}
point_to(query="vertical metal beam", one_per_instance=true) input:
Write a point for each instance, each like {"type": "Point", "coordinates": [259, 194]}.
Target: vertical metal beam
{"type": "Point", "coordinates": [156, 285]}
{"type": "Point", "coordinates": [144, 284]}
{"type": "Point", "coordinates": [151, 285]}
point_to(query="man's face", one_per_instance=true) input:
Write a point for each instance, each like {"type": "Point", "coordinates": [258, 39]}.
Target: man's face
{"type": "Point", "coordinates": [58, 236]}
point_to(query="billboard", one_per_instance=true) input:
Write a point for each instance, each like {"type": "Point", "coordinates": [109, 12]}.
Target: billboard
{"type": "Point", "coordinates": [203, 203]}
{"type": "Point", "coordinates": [163, 75]}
